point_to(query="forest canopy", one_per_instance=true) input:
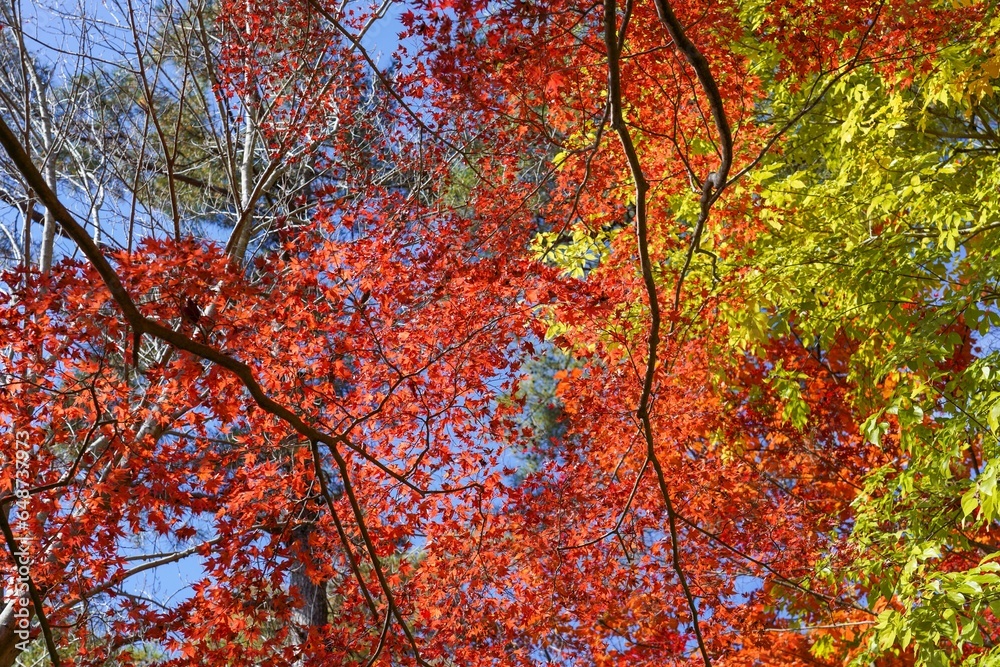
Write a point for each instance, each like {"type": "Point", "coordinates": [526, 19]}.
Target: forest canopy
{"type": "Point", "coordinates": [500, 332]}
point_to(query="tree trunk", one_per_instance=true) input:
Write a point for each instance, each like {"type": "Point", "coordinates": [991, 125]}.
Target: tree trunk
{"type": "Point", "coordinates": [312, 612]}
{"type": "Point", "coordinates": [8, 640]}
{"type": "Point", "coordinates": [312, 609]}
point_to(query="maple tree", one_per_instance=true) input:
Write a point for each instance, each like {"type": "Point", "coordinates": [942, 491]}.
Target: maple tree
{"type": "Point", "coordinates": [641, 333]}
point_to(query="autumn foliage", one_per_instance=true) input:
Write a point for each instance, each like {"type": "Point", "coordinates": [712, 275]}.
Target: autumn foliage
{"type": "Point", "coordinates": [527, 377]}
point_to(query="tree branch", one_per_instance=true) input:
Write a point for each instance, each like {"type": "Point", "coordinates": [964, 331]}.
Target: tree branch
{"type": "Point", "coordinates": [712, 184]}
{"type": "Point", "coordinates": [611, 42]}
{"type": "Point", "coordinates": [36, 598]}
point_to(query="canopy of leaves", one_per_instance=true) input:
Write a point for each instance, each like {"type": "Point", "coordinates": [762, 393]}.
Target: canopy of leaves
{"type": "Point", "coordinates": [583, 334]}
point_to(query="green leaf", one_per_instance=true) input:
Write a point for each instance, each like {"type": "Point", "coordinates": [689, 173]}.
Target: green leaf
{"type": "Point", "coordinates": [969, 502]}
